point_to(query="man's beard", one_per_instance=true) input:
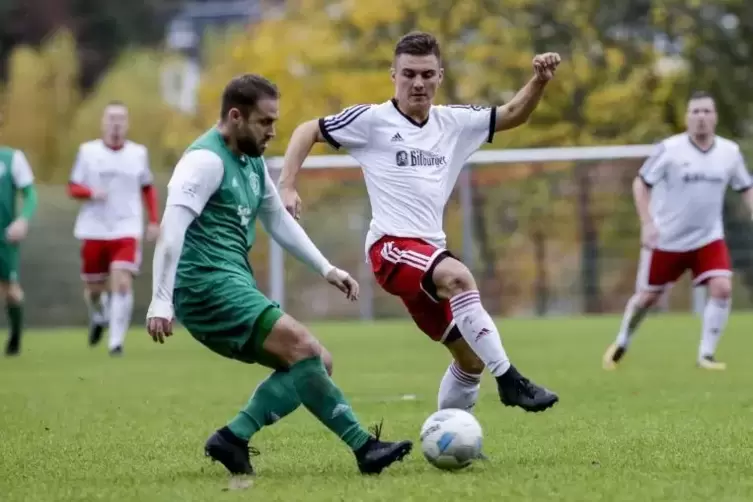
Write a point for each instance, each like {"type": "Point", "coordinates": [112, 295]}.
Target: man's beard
{"type": "Point", "coordinates": [249, 147]}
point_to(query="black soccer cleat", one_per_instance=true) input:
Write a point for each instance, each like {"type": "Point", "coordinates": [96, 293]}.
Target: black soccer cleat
{"type": "Point", "coordinates": [13, 347]}
{"type": "Point", "coordinates": [116, 351]}
{"type": "Point", "coordinates": [95, 334]}
{"type": "Point", "coordinates": [516, 390]}
{"type": "Point", "coordinates": [374, 456]}
{"type": "Point", "coordinates": [226, 448]}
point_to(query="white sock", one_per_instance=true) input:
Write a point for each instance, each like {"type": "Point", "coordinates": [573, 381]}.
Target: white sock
{"type": "Point", "coordinates": [121, 305]}
{"type": "Point", "coordinates": [633, 316]}
{"type": "Point", "coordinates": [715, 317]}
{"type": "Point", "coordinates": [479, 331]}
{"type": "Point", "coordinates": [96, 304]}
{"type": "Point", "coordinates": [458, 389]}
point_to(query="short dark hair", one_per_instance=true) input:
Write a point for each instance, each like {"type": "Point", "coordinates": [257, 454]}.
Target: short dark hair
{"type": "Point", "coordinates": [244, 91]}
{"type": "Point", "coordinates": [418, 43]}
{"type": "Point", "coordinates": [700, 95]}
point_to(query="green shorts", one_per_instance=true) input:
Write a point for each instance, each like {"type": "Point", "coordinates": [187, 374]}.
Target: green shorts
{"type": "Point", "coordinates": [8, 262]}
{"type": "Point", "coordinates": [230, 317]}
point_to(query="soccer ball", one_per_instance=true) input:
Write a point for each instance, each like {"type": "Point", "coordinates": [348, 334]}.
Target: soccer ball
{"type": "Point", "coordinates": [451, 439]}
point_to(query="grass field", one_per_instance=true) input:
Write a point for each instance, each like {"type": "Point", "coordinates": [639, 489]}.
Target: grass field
{"type": "Point", "coordinates": [77, 425]}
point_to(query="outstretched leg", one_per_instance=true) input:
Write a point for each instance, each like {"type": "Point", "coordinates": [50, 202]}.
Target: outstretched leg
{"type": "Point", "coordinates": [454, 282]}
{"type": "Point", "coordinates": [302, 378]}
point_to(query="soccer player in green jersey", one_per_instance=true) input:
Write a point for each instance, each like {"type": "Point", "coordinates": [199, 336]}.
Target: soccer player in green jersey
{"type": "Point", "coordinates": [202, 277]}
{"type": "Point", "coordinates": [15, 176]}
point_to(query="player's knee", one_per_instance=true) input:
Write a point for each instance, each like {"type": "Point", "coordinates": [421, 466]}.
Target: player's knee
{"type": "Point", "coordinates": [14, 294]}
{"type": "Point", "coordinates": [94, 289]}
{"type": "Point", "coordinates": [720, 288]}
{"type": "Point", "coordinates": [121, 281]}
{"type": "Point", "coordinates": [647, 299]}
{"type": "Point", "coordinates": [291, 342]}
{"type": "Point", "coordinates": [327, 360]}
{"type": "Point", "coordinates": [452, 278]}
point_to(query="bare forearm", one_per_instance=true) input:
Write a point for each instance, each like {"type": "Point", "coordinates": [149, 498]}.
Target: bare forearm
{"type": "Point", "coordinates": [301, 142]}
{"type": "Point", "coordinates": [748, 198]}
{"type": "Point", "coordinates": [642, 199]}
{"type": "Point", "coordinates": [521, 106]}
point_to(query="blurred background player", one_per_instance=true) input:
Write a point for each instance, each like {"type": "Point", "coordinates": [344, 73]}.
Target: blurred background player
{"type": "Point", "coordinates": [411, 152]}
{"type": "Point", "coordinates": [15, 176]}
{"type": "Point", "coordinates": [111, 176]}
{"type": "Point", "coordinates": [679, 196]}
{"type": "Point", "coordinates": [202, 275]}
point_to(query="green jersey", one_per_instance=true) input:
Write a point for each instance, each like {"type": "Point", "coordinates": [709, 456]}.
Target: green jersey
{"type": "Point", "coordinates": [15, 174]}
{"type": "Point", "coordinates": [218, 241]}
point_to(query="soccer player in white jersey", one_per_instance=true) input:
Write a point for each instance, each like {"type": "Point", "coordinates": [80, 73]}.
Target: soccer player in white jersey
{"type": "Point", "coordinates": [679, 197]}
{"type": "Point", "coordinates": [112, 176]}
{"type": "Point", "coordinates": [411, 152]}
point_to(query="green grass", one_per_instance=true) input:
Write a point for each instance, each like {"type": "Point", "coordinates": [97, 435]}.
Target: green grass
{"type": "Point", "coordinates": [77, 425]}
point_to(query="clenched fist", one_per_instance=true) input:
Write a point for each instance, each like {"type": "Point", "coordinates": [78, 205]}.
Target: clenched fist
{"type": "Point", "coordinates": [544, 65]}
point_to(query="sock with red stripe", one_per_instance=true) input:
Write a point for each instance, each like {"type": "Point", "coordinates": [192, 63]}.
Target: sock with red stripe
{"type": "Point", "coordinates": [458, 389]}
{"type": "Point", "coordinates": [479, 331]}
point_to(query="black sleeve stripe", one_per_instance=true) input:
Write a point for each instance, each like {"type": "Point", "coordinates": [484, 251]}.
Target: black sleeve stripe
{"type": "Point", "coordinates": [744, 189]}
{"type": "Point", "coordinates": [344, 118]}
{"type": "Point", "coordinates": [475, 108]}
{"type": "Point", "coordinates": [492, 124]}
{"type": "Point", "coordinates": [327, 136]}
{"type": "Point", "coordinates": [645, 181]}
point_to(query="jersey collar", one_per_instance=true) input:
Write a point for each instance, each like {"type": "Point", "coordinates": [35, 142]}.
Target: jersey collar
{"type": "Point", "coordinates": [711, 147]}
{"type": "Point", "coordinates": [417, 124]}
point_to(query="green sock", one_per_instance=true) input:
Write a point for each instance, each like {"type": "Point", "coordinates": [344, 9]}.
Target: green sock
{"type": "Point", "coordinates": [320, 396]}
{"type": "Point", "coordinates": [274, 398]}
{"type": "Point", "coordinates": [15, 321]}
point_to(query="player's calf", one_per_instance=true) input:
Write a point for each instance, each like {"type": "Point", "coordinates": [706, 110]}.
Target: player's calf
{"type": "Point", "coordinates": [461, 382]}
{"type": "Point", "coordinates": [455, 282]}
{"type": "Point", "coordinates": [14, 298]}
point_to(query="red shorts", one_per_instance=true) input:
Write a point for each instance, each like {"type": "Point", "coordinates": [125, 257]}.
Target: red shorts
{"type": "Point", "coordinates": [659, 269]}
{"type": "Point", "coordinates": [98, 257]}
{"type": "Point", "coordinates": [403, 267]}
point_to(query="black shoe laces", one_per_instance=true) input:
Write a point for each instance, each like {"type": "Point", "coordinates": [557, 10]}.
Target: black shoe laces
{"type": "Point", "coordinates": [526, 387]}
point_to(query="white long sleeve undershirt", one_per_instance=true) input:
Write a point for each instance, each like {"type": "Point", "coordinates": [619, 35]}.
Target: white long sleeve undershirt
{"type": "Point", "coordinates": [196, 177]}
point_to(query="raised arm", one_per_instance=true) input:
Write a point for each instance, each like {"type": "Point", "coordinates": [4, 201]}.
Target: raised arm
{"type": "Point", "coordinates": [350, 129]}
{"type": "Point", "coordinates": [196, 177]}
{"type": "Point", "coordinates": [283, 228]}
{"type": "Point", "coordinates": [519, 108]}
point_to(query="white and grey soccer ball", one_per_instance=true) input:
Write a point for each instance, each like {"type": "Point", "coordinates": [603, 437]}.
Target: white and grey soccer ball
{"type": "Point", "coordinates": [451, 439]}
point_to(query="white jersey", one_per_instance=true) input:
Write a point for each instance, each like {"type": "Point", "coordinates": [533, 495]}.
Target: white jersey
{"type": "Point", "coordinates": [410, 169]}
{"type": "Point", "coordinates": [122, 174]}
{"type": "Point", "coordinates": [688, 189]}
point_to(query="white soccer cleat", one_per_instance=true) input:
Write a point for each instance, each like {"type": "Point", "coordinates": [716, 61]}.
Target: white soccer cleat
{"type": "Point", "coordinates": [709, 363]}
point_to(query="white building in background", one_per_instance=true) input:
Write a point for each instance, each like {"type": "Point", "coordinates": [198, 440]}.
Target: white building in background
{"type": "Point", "coordinates": [184, 35]}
